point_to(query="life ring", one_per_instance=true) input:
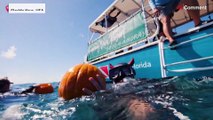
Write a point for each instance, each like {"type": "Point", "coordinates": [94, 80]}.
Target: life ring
{"type": "Point", "coordinates": [44, 88]}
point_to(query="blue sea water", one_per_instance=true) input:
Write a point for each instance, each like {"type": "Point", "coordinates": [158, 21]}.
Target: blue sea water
{"type": "Point", "coordinates": [170, 99]}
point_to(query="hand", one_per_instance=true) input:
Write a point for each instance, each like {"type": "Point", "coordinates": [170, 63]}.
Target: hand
{"type": "Point", "coordinates": [98, 85]}
{"type": "Point", "coordinates": [156, 12]}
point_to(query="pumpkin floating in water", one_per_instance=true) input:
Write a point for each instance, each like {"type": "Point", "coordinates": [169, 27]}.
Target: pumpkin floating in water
{"type": "Point", "coordinates": [44, 88]}
{"type": "Point", "coordinates": [76, 79]}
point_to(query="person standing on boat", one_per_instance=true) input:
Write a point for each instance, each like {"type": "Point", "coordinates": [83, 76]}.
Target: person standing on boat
{"type": "Point", "coordinates": [164, 9]}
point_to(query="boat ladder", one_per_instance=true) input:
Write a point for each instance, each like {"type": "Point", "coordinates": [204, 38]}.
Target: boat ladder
{"type": "Point", "coordinates": [164, 66]}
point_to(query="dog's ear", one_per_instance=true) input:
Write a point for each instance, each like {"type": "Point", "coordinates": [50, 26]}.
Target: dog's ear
{"type": "Point", "coordinates": [111, 66]}
{"type": "Point", "coordinates": [131, 62]}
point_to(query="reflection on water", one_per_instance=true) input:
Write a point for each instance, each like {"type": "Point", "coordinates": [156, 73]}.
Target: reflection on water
{"type": "Point", "coordinates": [169, 99]}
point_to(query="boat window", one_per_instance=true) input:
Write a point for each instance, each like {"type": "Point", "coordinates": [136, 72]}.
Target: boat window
{"type": "Point", "coordinates": [109, 19]}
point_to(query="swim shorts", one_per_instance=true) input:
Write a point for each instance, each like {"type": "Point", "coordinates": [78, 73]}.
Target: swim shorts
{"type": "Point", "coordinates": [168, 9]}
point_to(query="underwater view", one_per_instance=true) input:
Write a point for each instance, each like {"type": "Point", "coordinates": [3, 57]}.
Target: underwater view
{"type": "Point", "coordinates": [177, 98]}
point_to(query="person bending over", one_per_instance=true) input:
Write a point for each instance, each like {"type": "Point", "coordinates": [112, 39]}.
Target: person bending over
{"type": "Point", "coordinates": [164, 9]}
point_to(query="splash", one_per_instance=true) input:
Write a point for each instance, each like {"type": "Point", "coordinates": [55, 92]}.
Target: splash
{"type": "Point", "coordinates": [13, 113]}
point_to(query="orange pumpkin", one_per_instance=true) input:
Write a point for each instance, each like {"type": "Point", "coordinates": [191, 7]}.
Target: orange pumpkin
{"type": "Point", "coordinates": [76, 79]}
{"type": "Point", "coordinates": [44, 88]}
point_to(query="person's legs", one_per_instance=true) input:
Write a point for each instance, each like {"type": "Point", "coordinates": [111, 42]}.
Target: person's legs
{"type": "Point", "coordinates": [165, 20]}
{"type": "Point", "coordinates": [194, 14]}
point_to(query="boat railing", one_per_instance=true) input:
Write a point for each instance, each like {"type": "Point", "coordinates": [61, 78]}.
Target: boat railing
{"type": "Point", "coordinates": [114, 27]}
{"type": "Point", "coordinates": [150, 34]}
{"type": "Point", "coordinates": [189, 41]}
{"type": "Point", "coordinates": [190, 61]}
{"type": "Point", "coordinates": [195, 69]}
{"type": "Point", "coordinates": [192, 69]}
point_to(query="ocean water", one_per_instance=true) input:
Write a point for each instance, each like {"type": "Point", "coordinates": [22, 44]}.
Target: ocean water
{"type": "Point", "coordinates": [178, 98]}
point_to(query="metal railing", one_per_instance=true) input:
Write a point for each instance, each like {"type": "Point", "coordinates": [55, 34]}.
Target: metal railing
{"type": "Point", "coordinates": [190, 61]}
{"type": "Point", "coordinates": [192, 69]}
{"type": "Point", "coordinates": [188, 41]}
{"type": "Point", "coordinates": [165, 66]}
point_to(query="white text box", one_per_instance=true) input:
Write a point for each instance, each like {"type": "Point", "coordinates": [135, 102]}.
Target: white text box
{"type": "Point", "coordinates": [28, 8]}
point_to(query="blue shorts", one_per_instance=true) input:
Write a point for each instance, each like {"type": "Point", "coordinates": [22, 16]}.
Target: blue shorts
{"type": "Point", "coordinates": [168, 9]}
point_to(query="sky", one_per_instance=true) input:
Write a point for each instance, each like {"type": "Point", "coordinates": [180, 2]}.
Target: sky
{"type": "Point", "coordinates": [40, 48]}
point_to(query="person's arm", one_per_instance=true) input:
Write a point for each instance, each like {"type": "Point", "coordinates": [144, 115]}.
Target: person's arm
{"type": "Point", "coordinates": [117, 14]}
{"type": "Point", "coordinates": [111, 11]}
{"type": "Point", "coordinates": [29, 90]}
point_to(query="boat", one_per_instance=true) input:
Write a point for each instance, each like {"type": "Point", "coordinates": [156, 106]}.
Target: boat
{"type": "Point", "coordinates": [135, 35]}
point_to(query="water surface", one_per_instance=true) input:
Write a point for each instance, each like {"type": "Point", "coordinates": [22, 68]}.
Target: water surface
{"type": "Point", "coordinates": [170, 99]}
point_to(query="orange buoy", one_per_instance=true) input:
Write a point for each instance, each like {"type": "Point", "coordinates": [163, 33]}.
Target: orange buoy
{"type": "Point", "coordinates": [44, 88]}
